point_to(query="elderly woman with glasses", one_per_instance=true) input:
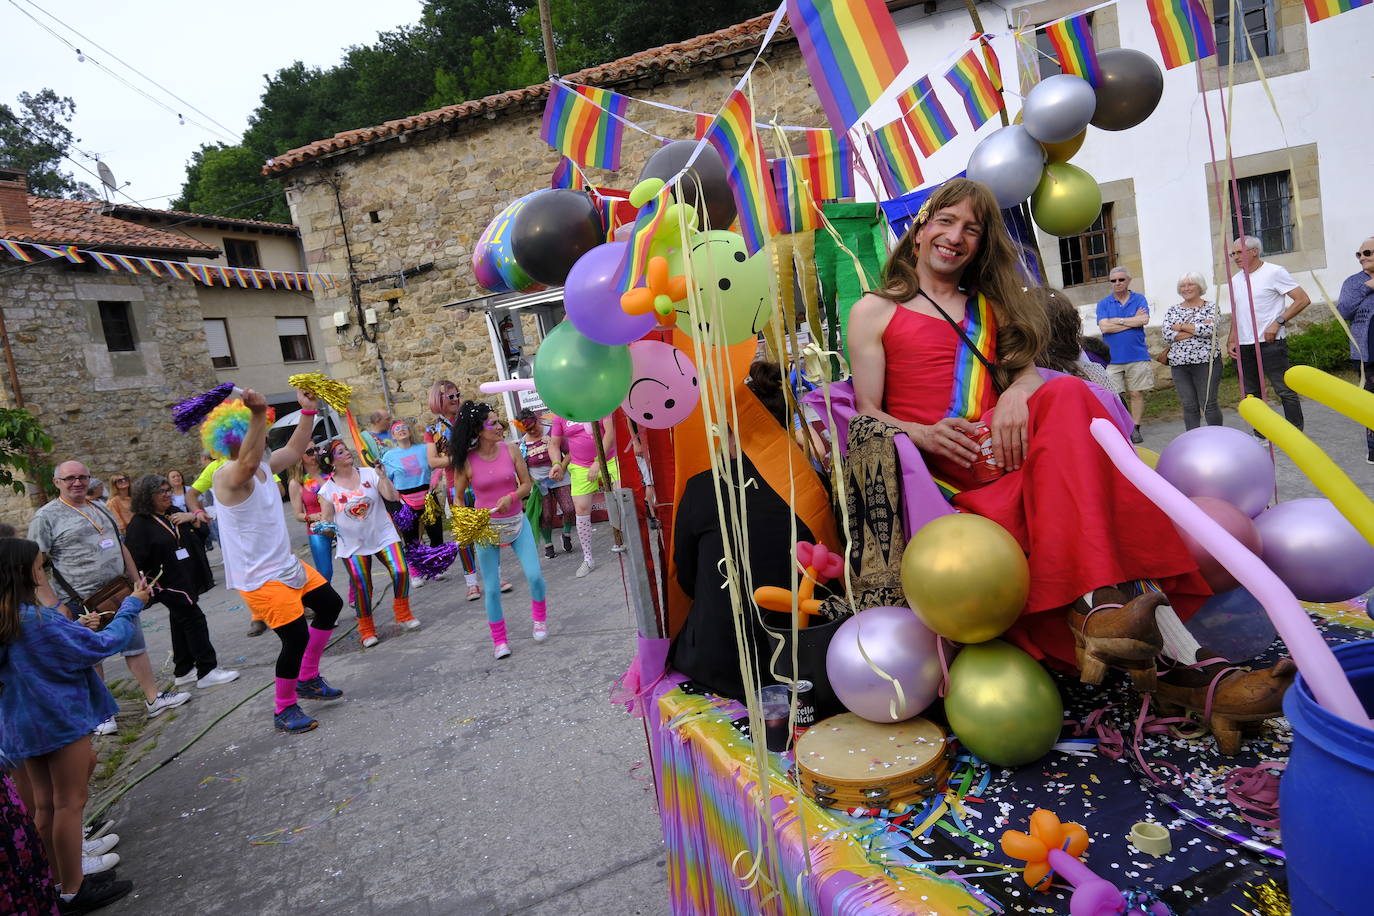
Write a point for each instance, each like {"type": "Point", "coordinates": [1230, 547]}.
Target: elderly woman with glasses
{"type": "Point", "coordinates": [167, 552]}
{"type": "Point", "coordinates": [305, 480]}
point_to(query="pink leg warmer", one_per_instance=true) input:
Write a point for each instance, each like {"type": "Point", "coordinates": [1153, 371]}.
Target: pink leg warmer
{"type": "Point", "coordinates": [286, 692]}
{"type": "Point", "coordinates": [314, 648]}
{"type": "Point", "coordinates": [498, 632]}
{"type": "Point", "coordinates": [539, 611]}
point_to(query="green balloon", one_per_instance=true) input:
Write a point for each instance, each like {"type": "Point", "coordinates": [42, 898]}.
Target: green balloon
{"type": "Point", "coordinates": [1002, 705]}
{"type": "Point", "coordinates": [580, 379]}
{"type": "Point", "coordinates": [1067, 200]}
{"type": "Point", "coordinates": [725, 273]}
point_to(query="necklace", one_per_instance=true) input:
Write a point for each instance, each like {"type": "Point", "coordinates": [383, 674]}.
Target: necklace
{"type": "Point", "coordinates": [99, 529]}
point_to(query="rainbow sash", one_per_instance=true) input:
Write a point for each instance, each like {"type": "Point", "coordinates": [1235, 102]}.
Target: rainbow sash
{"type": "Point", "coordinates": [973, 386]}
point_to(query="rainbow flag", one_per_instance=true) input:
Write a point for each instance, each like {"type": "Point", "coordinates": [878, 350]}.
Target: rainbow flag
{"type": "Point", "coordinates": [103, 260]}
{"type": "Point", "coordinates": [732, 135]}
{"type": "Point", "coordinates": [991, 64]}
{"type": "Point", "coordinates": [970, 80]}
{"type": "Point", "coordinates": [897, 162]}
{"type": "Point", "coordinates": [1317, 10]}
{"type": "Point", "coordinates": [582, 124]}
{"type": "Point", "coordinates": [128, 263]}
{"type": "Point", "coordinates": [567, 176]}
{"type": "Point", "coordinates": [701, 126]}
{"type": "Point", "coordinates": [926, 117]}
{"type": "Point", "coordinates": [1183, 29]}
{"type": "Point", "coordinates": [1073, 44]}
{"type": "Point", "coordinates": [796, 208]}
{"type": "Point", "coordinates": [973, 388]}
{"type": "Point", "coordinates": [641, 237]}
{"type": "Point", "coordinates": [852, 52]}
{"type": "Point", "coordinates": [15, 250]}
{"type": "Point", "coordinates": [830, 165]}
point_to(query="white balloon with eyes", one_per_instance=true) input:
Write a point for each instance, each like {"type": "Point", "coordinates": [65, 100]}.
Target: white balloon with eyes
{"type": "Point", "coordinates": [663, 389]}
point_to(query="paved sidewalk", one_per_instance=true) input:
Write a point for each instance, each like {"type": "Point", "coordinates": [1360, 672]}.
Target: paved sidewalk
{"type": "Point", "coordinates": [445, 782]}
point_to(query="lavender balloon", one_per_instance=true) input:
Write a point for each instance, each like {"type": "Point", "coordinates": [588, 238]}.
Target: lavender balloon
{"type": "Point", "coordinates": [900, 645]}
{"type": "Point", "coordinates": [592, 301]}
{"type": "Point", "coordinates": [1315, 551]}
{"type": "Point", "coordinates": [1222, 463]}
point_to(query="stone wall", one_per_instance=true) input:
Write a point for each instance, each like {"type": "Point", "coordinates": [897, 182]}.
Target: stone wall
{"type": "Point", "coordinates": [428, 200]}
{"type": "Point", "coordinates": [109, 410]}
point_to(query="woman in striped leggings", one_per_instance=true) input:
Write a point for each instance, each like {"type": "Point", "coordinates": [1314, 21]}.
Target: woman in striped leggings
{"type": "Point", "coordinates": [352, 500]}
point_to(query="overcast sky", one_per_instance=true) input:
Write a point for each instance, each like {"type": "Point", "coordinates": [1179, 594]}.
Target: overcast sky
{"type": "Point", "coordinates": [212, 55]}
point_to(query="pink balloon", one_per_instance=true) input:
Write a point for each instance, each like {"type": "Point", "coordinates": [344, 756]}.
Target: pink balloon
{"type": "Point", "coordinates": [664, 389]}
{"type": "Point", "coordinates": [1313, 656]}
{"type": "Point", "coordinates": [901, 647]}
{"type": "Point", "coordinates": [515, 384]}
{"type": "Point", "coordinates": [1237, 524]}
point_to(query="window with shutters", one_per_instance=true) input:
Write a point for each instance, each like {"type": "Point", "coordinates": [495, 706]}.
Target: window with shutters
{"type": "Point", "coordinates": [117, 324]}
{"type": "Point", "coordinates": [295, 340]}
{"type": "Point", "coordinates": [217, 340]}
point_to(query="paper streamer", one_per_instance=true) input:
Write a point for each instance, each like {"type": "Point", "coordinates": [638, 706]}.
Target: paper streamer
{"type": "Point", "coordinates": [1313, 656]}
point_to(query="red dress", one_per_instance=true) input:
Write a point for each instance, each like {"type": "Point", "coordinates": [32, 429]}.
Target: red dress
{"type": "Point", "coordinates": [1082, 524]}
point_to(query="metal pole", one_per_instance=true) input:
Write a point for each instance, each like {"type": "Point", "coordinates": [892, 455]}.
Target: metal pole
{"type": "Point", "coordinates": [605, 485]}
{"type": "Point", "coordinates": [546, 26]}
{"type": "Point", "coordinates": [636, 573]}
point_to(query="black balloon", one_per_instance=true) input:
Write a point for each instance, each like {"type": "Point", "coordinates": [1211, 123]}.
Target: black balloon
{"type": "Point", "coordinates": [1131, 86]}
{"type": "Point", "coordinates": [553, 230]}
{"type": "Point", "coordinates": [708, 169]}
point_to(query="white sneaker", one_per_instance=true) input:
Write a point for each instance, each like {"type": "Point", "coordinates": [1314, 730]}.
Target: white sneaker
{"type": "Point", "coordinates": [187, 678]}
{"type": "Point", "coordinates": [101, 846]}
{"type": "Point", "coordinates": [94, 865]}
{"type": "Point", "coordinates": [216, 677]}
{"type": "Point", "coordinates": [108, 727]}
{"type": "Point", "coordinates": [411, 624]}
{"type": "Point", "coordinates": [416, 582]}
{"type": "Point", "coordinates": [541, 631]}
{"type": "Point", "coordinates": [96, 831]}
{"type": "Point", "coordinates": [370, 642]}
{"type": "Point", "coordinates": [585, 568]}
{"type": "Point", "coordinates": [617, 548]}
{"type": "Point", "coordinates": [164, 702]}
{"type": "Point", "coordinates": [502, 650]}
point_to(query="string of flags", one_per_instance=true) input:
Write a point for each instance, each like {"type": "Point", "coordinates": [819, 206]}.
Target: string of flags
{"type": "Point", "coordinates": [207, 274]}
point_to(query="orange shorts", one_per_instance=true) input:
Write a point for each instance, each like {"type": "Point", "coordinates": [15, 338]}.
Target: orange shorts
{"type": "Point", "coordinates": [276, 603]}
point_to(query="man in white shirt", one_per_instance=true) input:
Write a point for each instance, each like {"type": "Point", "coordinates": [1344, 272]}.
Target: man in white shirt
{"type": "Point", "coordinates": [1276, 299]}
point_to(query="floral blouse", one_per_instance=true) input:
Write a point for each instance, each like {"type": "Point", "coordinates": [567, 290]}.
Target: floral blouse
{"type": "Point", "coordinates": [1195, 350]}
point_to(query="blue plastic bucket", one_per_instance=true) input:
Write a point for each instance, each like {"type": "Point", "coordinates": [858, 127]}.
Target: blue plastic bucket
{"type": "Point", "coordinates": [1326, 796]}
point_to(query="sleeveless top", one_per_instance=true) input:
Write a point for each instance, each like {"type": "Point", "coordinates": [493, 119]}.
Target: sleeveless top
{"type": "Point", "coordinates": [364, 527]}
{"type": "Point", "coordinates": [923, 355]}
{"type": "Point", "coordinates": [490, 480]}
{"type": "Point", "coordinates": [257, 549]}
{"type": "Point", "coordinates": [310, 495]}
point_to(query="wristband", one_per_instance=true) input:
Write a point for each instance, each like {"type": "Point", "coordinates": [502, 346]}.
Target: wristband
{"type": "Point", "coordinates": [308, 413]}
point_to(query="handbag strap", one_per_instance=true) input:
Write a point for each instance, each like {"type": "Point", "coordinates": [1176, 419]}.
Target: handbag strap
{"type": "Point", "coordinates": [965, 338]}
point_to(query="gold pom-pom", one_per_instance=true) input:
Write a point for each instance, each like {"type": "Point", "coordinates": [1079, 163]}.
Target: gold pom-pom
{"type": "Point", "coordinates": [472, 527]}
{"type": "Point", "coordinates": [432, 512]}
{"type": "Point", "coordinates": [1267, 899]}
{"type": "Point", "coordinates": [335, 394]}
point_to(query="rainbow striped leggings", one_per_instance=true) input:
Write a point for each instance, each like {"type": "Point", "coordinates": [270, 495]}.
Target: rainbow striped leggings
{"type": "Point", "coordinates": [360, 575]}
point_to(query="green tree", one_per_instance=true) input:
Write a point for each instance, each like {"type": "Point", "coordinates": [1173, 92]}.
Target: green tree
{"type": "Point", "coordinates": [228, 181]}
{"type": "Point", "coordinates": [23, 447]}
{"type": "Point", "coordinates": [34, 136]}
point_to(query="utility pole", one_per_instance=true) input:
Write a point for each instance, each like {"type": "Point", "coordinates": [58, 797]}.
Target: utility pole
{"type": "Point", "coordinates": [546, 26]}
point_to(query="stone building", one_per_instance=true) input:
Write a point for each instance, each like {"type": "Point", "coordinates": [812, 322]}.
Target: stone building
{"type": "Point", "coordinates": [402, 204]}
{"type": "Point", "coordinates": [98, 356]}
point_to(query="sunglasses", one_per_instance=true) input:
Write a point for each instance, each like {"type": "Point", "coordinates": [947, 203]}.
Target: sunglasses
{"type": "Point", "coordinates": [1368, 252]}
{"type": "Point", "coordinates": [454, 396]}
{"type": "Point", "coordinates": [493, 424]}
{"type": "Point", "coordinates": [312, 450]}
{"type": "Point", "coordinates": [1119, 279]}
{"type": "Point", "coordinates": [163, 491]}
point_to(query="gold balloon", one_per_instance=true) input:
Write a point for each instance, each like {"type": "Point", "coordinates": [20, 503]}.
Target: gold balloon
{"type": "Point", "coordinates": [1147, 455]}
{"type": "Point", "coordinates": [1064, 150]}
{"type": "Point", "coordinates": [1002, 705]}
{"type": "Point", "coordinates": [965, 577]}
{"type": "Point", "coordinates": [1067, 200]}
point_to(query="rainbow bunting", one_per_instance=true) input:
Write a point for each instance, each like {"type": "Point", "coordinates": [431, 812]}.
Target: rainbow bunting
{"type": "Point", "coordinates": [1184, 31]}
{"type": "Point", "coordinates": [16, 250]}
{"type": "Point", "coordinates": [48, 250]}
{"type": "Point", "coordinates": [701, 126]}
{"type": "Point", "coordinates": [126, 262]}
{"type": "Point", "coordinates": [567, 176]}
{"type": "Point", "coordinates": [732, 135]}
{"type": "Point", "coordinates": [103, 260]}
{"type": "Point", "coordinates": [852, 52]}
{"type": "Point", "coordinates": [647, 221]}
{"type": "Point", "coordinates": [796, 208]}
{"type": "Point", "coordinates": [173, 269]}
{"type": "Point", "coordinates": [926, 117]}
{"type": "Point", "coordinates": [1074, 47]}
{"type": "Point", "coordinates": [991, 65]}
{"type": "Point", "coordinates": [151, 266]}
{"type": "Point", "coordinates": [830, 165]}
{"type": "Point", "coordinates": [1317, 10]}
{"type": "Point", "coordinates": [70, 253]}
{"type": "Point", "coordinates": [970, 80]}
{"type": "Point", "coordinates": [897, 162]}
{"type": "Point", "coordinates": [582, 124]}
{"type": "Point", "coordinates": [973, 388]}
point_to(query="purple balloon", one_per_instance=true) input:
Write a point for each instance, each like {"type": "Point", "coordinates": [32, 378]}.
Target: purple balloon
{"type": "Point", "coordinates": [899, 644]}
{"type": "Point", "coordinates": [1222, 463]}
{"type": "Point", "coordinates": [592, 302]}
{"type": "Point", "coordinates": [1316, 551]}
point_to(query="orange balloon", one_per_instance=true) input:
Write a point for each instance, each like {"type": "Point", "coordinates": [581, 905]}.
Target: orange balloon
{"type": "Point", "coordinates": [1037, 875]}
{"type": "Point", "coordinates": [1078, 840]}
{"type": "Point", "coordinates": [1045, 827]}
{"type": "Point", "coordinates": [1025, 848]}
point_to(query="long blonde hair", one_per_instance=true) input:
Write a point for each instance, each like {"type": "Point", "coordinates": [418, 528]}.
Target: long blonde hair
{"type": "Point", "coordinates": [994, 271]}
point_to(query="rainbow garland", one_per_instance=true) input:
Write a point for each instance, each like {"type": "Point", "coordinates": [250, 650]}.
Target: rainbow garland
{"type": "Point", "coordinates": [971, 81]}
{"type": "Point", "coordinates": [1317, 10]}
{"type": "Point", "coordinates": [926, 117]}
{"type": "Point", "coordinates": [585, 124]}
{"type": "Point", "coordinates": [207, 274]}
{"type": "Point", "coordinates": [830, 165]}
{"type": "Point", "coordinates": [795, 206]}
{"type": "Point", "coordinates": [732, 135]}
{"type": "Point", "coordinates": [897, 162]}
{"type": "Point", "coordinates": [567, 176]}
{"type": "Point", "coordinates": [1183, 29]}
{"type": "Point", "coordinates": [973, 389]}
{"type": "Point", "coordinates": [1073, 44]}
{"type": "Point", "coordinates": [852, 52]}
{"type": "Point", "coordinates": [647, 221]}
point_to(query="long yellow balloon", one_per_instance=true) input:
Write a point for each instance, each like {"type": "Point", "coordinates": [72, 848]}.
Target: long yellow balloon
{"type": "Point", "coordinates": [1312, 461]}
{"type": "Point", "coordinates": [1336, 393]}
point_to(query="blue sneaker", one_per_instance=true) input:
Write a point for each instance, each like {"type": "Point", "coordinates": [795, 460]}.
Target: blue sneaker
{"type": "Point", "coordinates": [293, 720]}
{"type": "Point", "coordinates": [317, 689]}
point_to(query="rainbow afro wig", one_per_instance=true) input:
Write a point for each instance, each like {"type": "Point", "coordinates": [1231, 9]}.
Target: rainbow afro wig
{"type": "Point", "coordinates": [224, 428]}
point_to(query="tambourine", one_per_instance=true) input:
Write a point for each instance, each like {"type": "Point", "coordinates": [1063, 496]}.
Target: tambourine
{"type": "Point", "coordinates": [849, 762]}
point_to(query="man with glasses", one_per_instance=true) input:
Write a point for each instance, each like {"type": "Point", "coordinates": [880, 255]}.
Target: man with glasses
{"type": "Point", "coordinates": [1260, 294]}
{"type": "Point", "coordinates": [1356, 305]}
{"type": "Point", "coordinates": [81, 542]}
{"type": "Point", "coordinates": [1122, 316]}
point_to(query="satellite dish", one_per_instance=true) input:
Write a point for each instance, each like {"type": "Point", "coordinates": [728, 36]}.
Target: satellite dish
{"type": "Point", "coordinates": [107, 177]}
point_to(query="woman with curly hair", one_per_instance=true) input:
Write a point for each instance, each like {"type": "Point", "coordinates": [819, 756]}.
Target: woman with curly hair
{"type": "Point", "coordinates": [500, 482]}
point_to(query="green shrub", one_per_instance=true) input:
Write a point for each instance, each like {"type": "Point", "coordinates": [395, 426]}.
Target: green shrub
{"type": "Point", "coordinates": [1323, 346]}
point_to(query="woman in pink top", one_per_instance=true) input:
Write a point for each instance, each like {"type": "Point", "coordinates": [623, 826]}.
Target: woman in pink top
{"type": "Point", "coordinates": [578, 447]}
{"type": "Point", "coordinates": [500, 482]}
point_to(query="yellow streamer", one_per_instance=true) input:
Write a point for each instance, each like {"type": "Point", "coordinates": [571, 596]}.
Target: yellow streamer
{"type": "Point", "coordinates": [1336, 393]}
{"type": "Point", "coordinates": [335, 394]}
{"type": "Point", "coordinates": [1312, 461]}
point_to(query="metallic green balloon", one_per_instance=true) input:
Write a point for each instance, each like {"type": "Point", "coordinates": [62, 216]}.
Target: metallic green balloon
{"type": "Point", "coordinates": [1002, 705]}
{"type": "Point", "coordinates": [580, 379]}
{"type": "Point", "coordinates": [1067, 200]}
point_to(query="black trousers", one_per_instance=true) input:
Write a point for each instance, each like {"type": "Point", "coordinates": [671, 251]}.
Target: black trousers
{"type": "Point", "coordinates": [191, 647]}
{"type": "Point", "coordinates": [294, 636]}
{"type": "Point", "coordinates": [1276, 363]}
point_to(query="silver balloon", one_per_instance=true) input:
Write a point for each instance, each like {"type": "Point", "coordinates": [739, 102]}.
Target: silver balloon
{"type": "Point", "coordinates": [1009, 162]}
{"type": "Point", "coordinates": [1130, 89]}
{"type": "Point", "coordinates": [1058, 108]}
{"type": "Point", "coordinates": [1315, 550]}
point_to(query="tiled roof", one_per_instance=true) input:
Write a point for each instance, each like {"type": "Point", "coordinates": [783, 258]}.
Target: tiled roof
{"type": "Point", "coordinates": [125, 211]}
{"type": "Point", "coordinates": [681, 55]}
{"type": "Point", "coordinates": [81, 222]}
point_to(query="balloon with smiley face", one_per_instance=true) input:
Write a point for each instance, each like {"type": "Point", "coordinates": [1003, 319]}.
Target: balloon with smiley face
{"type": "Point", "coordinates": [664, 390]}
{"type": "Point", "coordinates": [729, 279]}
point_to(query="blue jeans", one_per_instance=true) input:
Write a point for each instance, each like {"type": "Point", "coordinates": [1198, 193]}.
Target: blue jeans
{"type": "Point", "coordinates": [489, 565]}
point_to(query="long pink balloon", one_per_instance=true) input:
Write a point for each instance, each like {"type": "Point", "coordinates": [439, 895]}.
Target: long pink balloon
{"type": "Point", "coordinates": [515, 384]}
{"type": "Point", "coordinates": [1321, 671]}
